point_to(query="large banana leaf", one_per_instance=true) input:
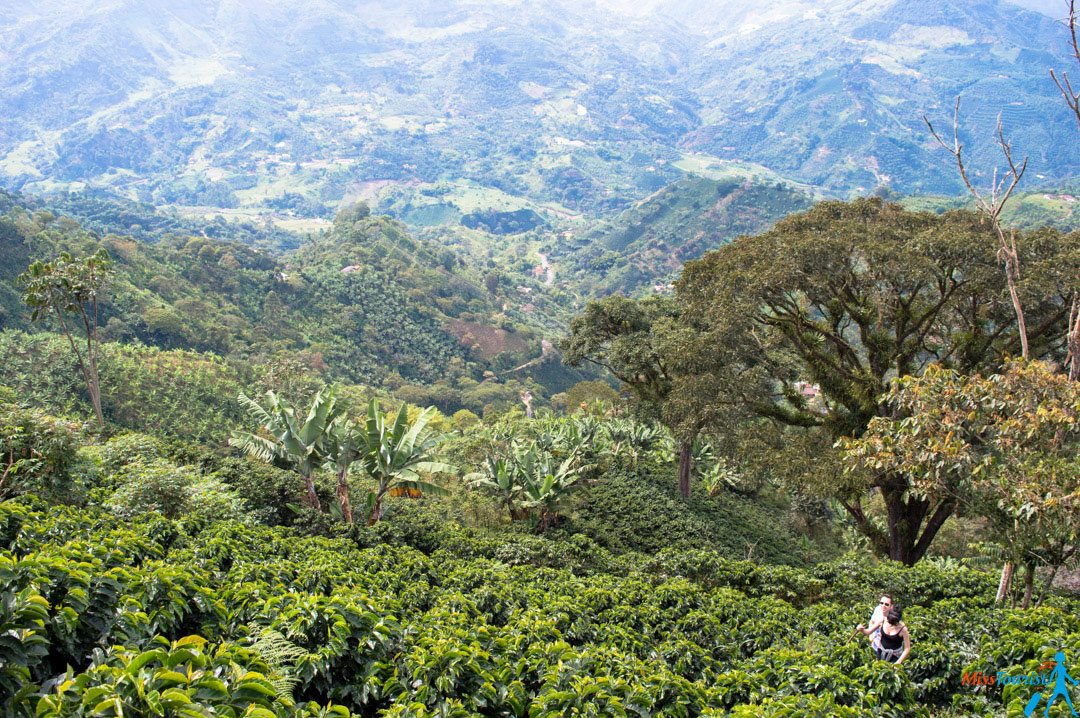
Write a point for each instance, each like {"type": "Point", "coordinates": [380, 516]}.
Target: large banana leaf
{"type": "Point", "coordinates": [398, 453]}
{"type": "Point", "coordinates": [305, 445]}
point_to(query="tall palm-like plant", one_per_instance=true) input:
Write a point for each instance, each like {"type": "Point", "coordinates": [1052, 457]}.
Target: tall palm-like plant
{"type": "Point", "coordinates": [630, 439]}
{"type": "Point", "coordinates": [395, 453]}
{"type": "Point", "coordinates": [530, 479]}
{"type": "Point", "coordinates": [285, 439]}
{"type": "Point", "coordinates": [502, 478]}
{"type": "Point", "coordinates": [344, 446]}
{"type": "Point", "coordinates": [547, 485]}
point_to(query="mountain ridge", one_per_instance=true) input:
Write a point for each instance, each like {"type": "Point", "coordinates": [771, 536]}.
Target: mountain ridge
{"type": "Point", "coordinates": [207, 102]}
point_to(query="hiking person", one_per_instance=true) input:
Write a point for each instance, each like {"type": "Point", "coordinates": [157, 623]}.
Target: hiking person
{"type": "Point", "coordinates": [894, 643]}
{"type": "Point", "coordinates": [873, 629]}
{"type": "Point", "coordinates": [1061, 677]}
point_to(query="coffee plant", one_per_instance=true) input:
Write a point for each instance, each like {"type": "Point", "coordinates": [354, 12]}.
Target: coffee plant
{"type": "Point", "coordinates": [154, 616]}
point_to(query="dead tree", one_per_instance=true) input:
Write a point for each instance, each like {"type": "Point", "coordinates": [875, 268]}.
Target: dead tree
{"type": "Point", "coordinates": [1072, 99]}
{"type": "Point", "coordinates": [991, 205]}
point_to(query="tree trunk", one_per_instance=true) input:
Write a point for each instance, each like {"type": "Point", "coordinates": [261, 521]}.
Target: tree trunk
{"type": "Point", "coordinates": [516, 513]}
{"type": "Point", "coordinates": [93, 382]}
{"type": "Point", "coordinates": [686, 464]}
{"type": "Point", "coordinates": [85, 365]}
{"type": "Point", "coordinates": [343, 495]}
{"type": "Point", "coordinates": [909, 537]}
{"type": "Point", "coordinates": [1074, 338]}
{"type": "Point", "coordinates": [1005, 582]}
{"type": "Point", "coordinates": [377, 507]}
{"type": "Point", "coordinates": [1012, 276]}
{"type": "Point", "coordinates": [1029, 584]}
{"type": "Point", "coordinates": [93, 385]}
{"type": "Point", "coordinates": [1047, 585]}
{"type": "Point", "coordinates": [309, 492]}
{"type": "Point", "coordinates": [879, 540]}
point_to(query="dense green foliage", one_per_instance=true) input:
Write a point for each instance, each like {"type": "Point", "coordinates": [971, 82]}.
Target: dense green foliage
{"type": "Point", "coordinates": [470, 626]}
{"type": "Point", "coordinates": [642, 511]}
{"type": "Point", "coordinates": [364, 302]}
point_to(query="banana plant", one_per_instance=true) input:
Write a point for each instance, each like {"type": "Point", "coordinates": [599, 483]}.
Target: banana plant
{"type": "Point", "coordinates": [502, 478]}
{"type": "Point", "coordinates": [631, 438]}
{"type": "Point", "coordinates": [547, 486]}
{"type": "Point", "coordinates": [345, 442]}
{"type": "Point", "coordinates": [720, 475]}
{"type": "Point", "coordinates": [284, 439]}
{"type": "Point", "coordinates": [396, 454]}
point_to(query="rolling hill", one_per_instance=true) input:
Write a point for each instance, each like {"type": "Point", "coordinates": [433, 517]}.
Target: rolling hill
{"type": "Point", "coordinates": [364, 302]}
{"type": "Point", "coordinates": [569, 110]}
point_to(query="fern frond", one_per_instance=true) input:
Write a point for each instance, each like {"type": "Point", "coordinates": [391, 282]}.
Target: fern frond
{"type": "Point", "coordinates": [282, 656]}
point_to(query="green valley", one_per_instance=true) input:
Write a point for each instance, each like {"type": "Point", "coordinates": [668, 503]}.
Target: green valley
{"type": "Point", "coordinates": [497, 359]}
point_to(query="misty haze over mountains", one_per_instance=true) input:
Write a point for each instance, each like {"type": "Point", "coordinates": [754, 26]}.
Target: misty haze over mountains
{"type": "Point", "coordinates": [581, 108]}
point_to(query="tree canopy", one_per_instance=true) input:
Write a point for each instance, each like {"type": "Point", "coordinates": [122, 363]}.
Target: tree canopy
{"type": "Point", "coordinates": [843, 299]}
{"type": "Point", "coordinates": [1004, 446]}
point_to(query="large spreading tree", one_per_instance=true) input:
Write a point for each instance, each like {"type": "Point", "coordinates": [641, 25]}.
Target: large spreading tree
{"type": "Point", "coordinates": [846, 297]}
{"type": "Point", "coordinates": [655, 350]}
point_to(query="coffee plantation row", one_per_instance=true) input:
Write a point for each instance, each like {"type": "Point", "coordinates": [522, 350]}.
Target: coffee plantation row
{"type": "Point", "coordinates": [157, 617]}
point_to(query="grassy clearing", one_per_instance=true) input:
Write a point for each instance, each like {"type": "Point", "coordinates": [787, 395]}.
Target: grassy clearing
{"type": "Point", "coordinates": [291, 224]}
{"type": "Point", "coordinates": [717, 168]}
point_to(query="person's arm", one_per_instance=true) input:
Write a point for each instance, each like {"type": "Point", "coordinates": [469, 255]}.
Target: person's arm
{"type": "Point", "coordinates": [875, 623]}
{"type": "Point", "coordinates": [907, 647]}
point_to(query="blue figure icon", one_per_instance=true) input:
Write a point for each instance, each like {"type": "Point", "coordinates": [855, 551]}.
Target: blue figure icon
{"type": "Point", "coordinates": [1061, 679]}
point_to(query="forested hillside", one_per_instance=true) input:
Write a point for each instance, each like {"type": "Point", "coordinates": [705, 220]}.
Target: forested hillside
{"type": "Point", "coordinates": [444, 359]}
{"type": "Point", "coordinates": [363, 302]}
{"type": "Point", "coordinates": [645, 246]}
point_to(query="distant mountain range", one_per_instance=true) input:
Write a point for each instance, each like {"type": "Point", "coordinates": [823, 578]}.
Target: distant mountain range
{"type": "Point", "coordinates": [453, 108]}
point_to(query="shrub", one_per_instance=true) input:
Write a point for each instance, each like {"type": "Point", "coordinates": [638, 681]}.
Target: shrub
{"type": "Point", "coordinates": [626, 510]}
{"type": "Point", "coordinates": [157, 485]}
{"type": "Point", "coordinates": [267, 490]}
{"type": "Point", "coordinates": [127, 448]}
{"type": "Point", "coordinates": [38, 453]}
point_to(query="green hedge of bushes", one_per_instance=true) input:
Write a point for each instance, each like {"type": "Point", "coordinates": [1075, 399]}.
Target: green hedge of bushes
{"type": "Point", "coordinates": [164, 617]}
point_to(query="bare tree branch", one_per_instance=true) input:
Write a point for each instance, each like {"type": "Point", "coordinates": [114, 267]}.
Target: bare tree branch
{"type": "Point", "coordinates": [992, 205]}
{"type": "Point", "coordinates": [1072, 97]}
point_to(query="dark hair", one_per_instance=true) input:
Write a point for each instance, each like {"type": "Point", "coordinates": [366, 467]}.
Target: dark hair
{"type": "Point", "coordinates": [895, 614]}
